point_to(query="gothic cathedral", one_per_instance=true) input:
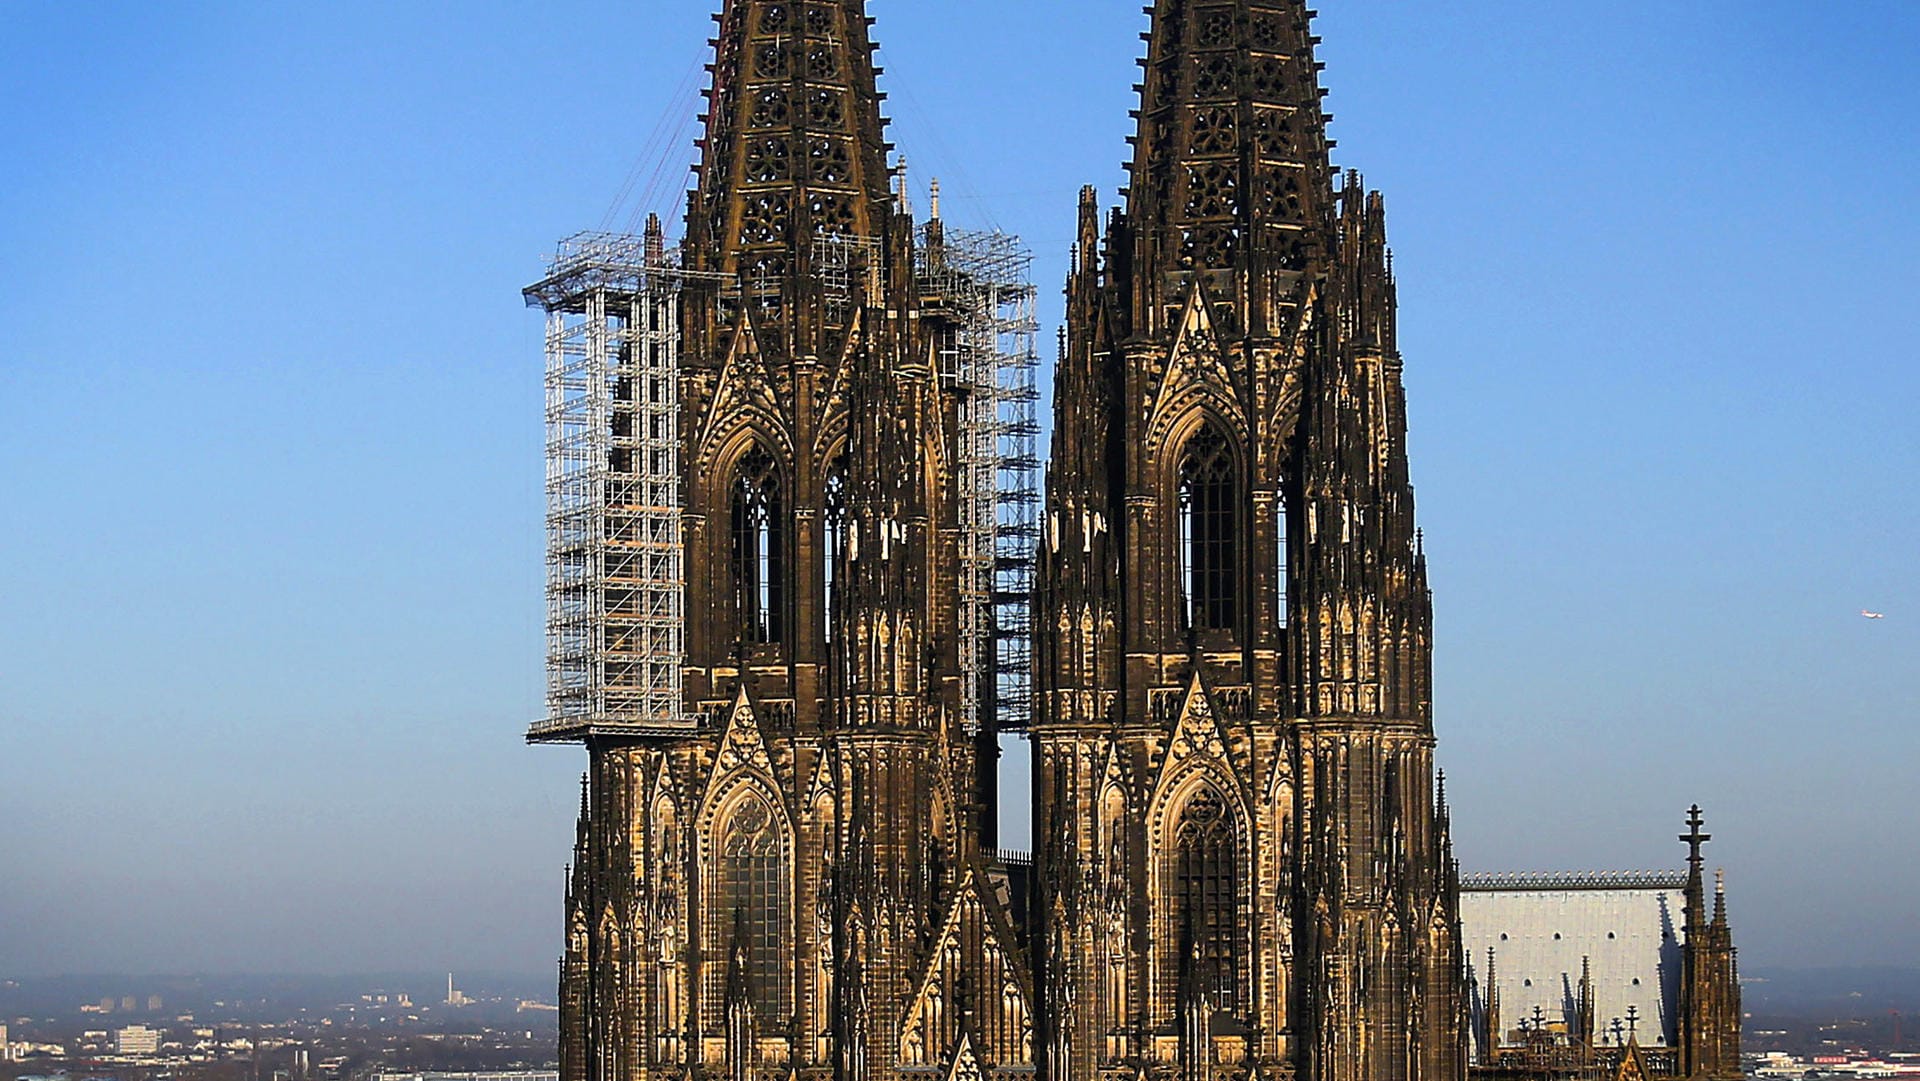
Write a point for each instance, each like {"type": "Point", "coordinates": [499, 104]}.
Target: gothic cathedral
{"type": "Point", "coordinates": [1242, 866]}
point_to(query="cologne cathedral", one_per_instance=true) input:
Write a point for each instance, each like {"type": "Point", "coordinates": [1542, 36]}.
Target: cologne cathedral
{"type": "Point", "coordinates": [785, 864]}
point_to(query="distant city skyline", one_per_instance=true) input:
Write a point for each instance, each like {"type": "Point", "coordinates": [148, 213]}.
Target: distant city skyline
{"type": "Point", "coordinates": [271, 411]}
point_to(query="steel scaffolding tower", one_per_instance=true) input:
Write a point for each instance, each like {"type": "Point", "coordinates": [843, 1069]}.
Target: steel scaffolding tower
{"type": "Point", "coordinates": [615, 581]}
{"type": "Point", "coordinates": [986, 281]}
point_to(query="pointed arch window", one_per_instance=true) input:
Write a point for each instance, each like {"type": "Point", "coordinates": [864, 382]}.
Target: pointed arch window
{"type": "Point", "coordinates": [834, 536]}
{"type": "Point", "coordinates": [1205, 891]}
{"type": "Point", "coordinates": [1209, 535]}
{"type": "Point", "coordinates": [750, 901]}
{"type": "Point", "coordinates": [759, 546]}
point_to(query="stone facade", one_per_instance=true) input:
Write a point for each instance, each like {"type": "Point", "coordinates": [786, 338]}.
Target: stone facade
{"type": "Point", "coordinates": [1242, 863]}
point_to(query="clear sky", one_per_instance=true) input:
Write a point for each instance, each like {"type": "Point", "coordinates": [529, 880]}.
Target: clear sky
{"type": "Point", "coordinates": [270, 543]}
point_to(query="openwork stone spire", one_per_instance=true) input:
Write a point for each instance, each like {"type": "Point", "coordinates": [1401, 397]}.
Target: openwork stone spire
{"type": "Point", "coordinates": [794, 150]}
{"type": "Point", "coordinates": [1230, 170]}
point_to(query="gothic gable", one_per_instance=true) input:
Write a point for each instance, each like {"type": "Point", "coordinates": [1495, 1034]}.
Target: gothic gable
{"type": "Point", "coordinates": [1280, 383]}
{"type": "Point", "coordinates": [824, 785]}
{"type": "Point", "coordinates": [742, 757]}
{"type": "Point", "coordinates": [1198, 743]}
{"type": "Point", "coordinates": [746, 396]}
{"type": "Point", "coordinates": [830, 399]}
{"type": "Point", "coordinates": [1197, 373]}
{"type": "Point", "coordinates": [1279, 782]}
{"type": "Point", "coordinates": [973, 1000]}
{"type": "Point", "coordinates": [1633, 1066]}
{"type": "Point", "coordinates": [966, 1065]}
{"type": "Point", "coordinates": [1113, 770]}
{"type": "Point", "coordinates": [1197, 755]}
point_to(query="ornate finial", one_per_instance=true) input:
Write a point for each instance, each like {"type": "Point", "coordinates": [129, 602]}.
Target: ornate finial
{"type": "Point", "coordinates": [1633, 1022]}
{"type": "Point", "coordinates": [1693, 837]}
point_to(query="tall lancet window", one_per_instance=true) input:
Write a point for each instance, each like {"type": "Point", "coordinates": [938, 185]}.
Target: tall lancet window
{"type": "Point", "coordinates": [1209, 552]}
{"type": "Point", "coordinates": [1280, 571]}
{"type": "Point", "coordinates": [759, 546]}
{"type": "Point", "coordinates": [834, 542]}
{"type": "Point", "coordinates": [1205, 890]}
{"type": "Point", "coordinates": [749, 899]}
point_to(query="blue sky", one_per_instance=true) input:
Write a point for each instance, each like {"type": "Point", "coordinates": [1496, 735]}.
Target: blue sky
{"type": "Point", "coordinates": [269, 418]}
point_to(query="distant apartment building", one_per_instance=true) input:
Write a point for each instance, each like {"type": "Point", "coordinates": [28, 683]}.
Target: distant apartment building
{"type": "Point", "coordinates": [136, 1040]}
{"type": "Point", "coordinates": [6, 1049]}
{"type": "Point", "coordinates": [388, 998]}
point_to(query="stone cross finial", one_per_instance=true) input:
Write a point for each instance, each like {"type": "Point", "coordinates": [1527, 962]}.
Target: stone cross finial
{"type": "Point", "coordinates": [1693, 837]}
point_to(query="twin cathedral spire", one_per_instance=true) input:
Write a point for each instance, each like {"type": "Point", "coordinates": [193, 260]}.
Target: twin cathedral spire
{"type": "Point", "coordinates": [1241, 866]}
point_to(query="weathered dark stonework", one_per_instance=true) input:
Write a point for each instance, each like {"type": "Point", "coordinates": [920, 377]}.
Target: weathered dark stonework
{"type": "Point", "coordinates": [798, 888]}
{"type": "Point", "coordinates": [1243, 299]}
{"type": "Point", "coordinates": [1709, 975]}
{"type": "Point", "coordinates": [1243, 866]}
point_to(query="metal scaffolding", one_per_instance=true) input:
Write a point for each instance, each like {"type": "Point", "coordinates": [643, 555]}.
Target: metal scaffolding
{"type": "Point", "coordinates": [615, 581]}
{"type": "Point", "coordinates": [837, 259]}
{"type": "Point", "coordinates": [615, 573]}
{"type": "Point", "coordinates": [985, 279]}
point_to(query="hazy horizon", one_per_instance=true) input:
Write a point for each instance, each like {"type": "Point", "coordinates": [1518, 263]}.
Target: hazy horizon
{"type": "Point", "coordinates": [270, 404]}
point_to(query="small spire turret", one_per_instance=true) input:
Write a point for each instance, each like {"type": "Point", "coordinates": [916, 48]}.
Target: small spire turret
{"type": "Point", "coordinates": [1584, 1022]}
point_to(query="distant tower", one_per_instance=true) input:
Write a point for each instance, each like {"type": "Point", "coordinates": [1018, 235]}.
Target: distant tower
{"type": "Point", "coordinates": [1709, 973]}
{"type": "Point", "coordinates": [1242, 859]}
